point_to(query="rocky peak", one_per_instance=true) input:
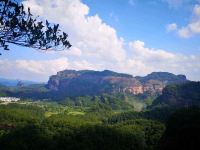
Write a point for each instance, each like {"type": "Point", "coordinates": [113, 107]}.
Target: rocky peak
{"type": "Point", "coordinates": [89, 82]}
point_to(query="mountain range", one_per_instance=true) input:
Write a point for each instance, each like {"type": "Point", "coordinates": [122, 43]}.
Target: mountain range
{"type": "Point", "coordinates": [89, 82]}
{"type": "Point", "coordinates": [16, 82]}
{"type": "Point", "coordinates": [161, 87]}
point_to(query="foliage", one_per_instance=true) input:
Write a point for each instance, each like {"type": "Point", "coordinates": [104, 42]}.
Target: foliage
{"type": "Point", "coordinates": [160, 113]}
{"type": "Point", "coordinates": [35, 91]}
{"type": "Point", "coordinates": [3, 90]}
{"type": "Point", "coordinates": [86, 138]}
{"type": "Point", "coordinates": [20, 114]}
{"type": "Point", "coordinates": [180, 95]}
{"type": "Point", "coordinates": [104, 101]}
{"type": "Point", "coordinates": [97, 123]}
{"type": "Point", "coordinates": [153, 130]}
{"type": "Point", "coordinates": [183, 130]}
{"type": "Point", "coordinates": [18, 26]}
{"type": "Point", "coordinates": [66, 131]}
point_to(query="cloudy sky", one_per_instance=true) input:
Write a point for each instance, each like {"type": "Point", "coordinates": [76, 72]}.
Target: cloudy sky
{"type": "Point", "coordinates": [129, 36]}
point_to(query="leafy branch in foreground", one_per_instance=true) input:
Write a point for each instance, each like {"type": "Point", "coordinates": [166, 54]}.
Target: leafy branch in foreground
{"type": "Point", "coordinates": [19, 27]}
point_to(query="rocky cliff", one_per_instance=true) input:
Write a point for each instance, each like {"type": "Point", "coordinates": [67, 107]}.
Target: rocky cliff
{"type": "Point", "coordinates": [88, 82]}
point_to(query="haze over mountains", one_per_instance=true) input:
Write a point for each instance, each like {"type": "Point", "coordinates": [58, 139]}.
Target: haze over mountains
{"type": "Point", "coordinates": [15, 82]}
{"type": "Point", "coordinates": [72, 83]}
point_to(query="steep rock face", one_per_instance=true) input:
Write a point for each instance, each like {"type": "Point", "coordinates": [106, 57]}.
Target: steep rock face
{"type": "Point", "coordinates": [125, 85]}
{"type": "Point", "coordinates": [87, 82]}
{"type": "Point", "coordinates": [153, 86]}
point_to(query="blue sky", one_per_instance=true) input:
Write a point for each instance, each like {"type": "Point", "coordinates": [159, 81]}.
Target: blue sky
{"type": "Point", "coordinates": [130, 36]}
{"type": "Point", "coordinates": [146, 20]}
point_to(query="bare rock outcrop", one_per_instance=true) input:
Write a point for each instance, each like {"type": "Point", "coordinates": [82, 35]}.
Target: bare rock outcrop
{"type": "Point", "coordinates": [88, 82]}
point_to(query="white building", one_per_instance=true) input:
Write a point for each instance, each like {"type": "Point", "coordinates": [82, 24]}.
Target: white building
{"type": "Point", "coordinates": [9, 99]}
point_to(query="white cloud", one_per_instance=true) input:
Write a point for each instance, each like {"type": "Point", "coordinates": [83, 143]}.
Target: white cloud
{"type": "Point", "coordinates": [184, 32]}
{"type": "Point", "coordinates": [88, 33]}
{"type": "Point", "coordinates": [171, 27]}
{"type": "Point", "coordinates": [141, 61]}
{"type": "Point", "coordinates": [95, 46]}
{"type": "Point", "coordinates": [147, 54]}
{"type": "Point", "coordinates": [196, 10]}
{"type": "Point", "coordinates": [39, 70]}
{"type": "Point", "coordinates": [145, 60]}
{"type": "Point", "coordinates": [31, 69]}
{"type": "Point", "coordinates": [193, 28]}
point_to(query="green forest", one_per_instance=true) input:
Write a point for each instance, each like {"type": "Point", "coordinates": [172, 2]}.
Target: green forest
{"type": "Point", "coordinates": [101, 123]}
{"type": "Point", "coordinates": [93, 109]}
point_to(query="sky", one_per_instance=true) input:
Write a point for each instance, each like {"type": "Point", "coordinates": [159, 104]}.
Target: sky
{"type": "Point", "coordinates": [127, 36]}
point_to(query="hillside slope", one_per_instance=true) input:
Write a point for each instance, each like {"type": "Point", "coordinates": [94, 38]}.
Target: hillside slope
{"type": "Point", "coordinates": [181, 95]}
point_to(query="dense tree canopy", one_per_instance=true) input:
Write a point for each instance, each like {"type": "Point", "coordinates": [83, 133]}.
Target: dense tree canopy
{"type": "Point", "coordinates": [18, 26]}
{"type": "Point", "coordinates": [183, 130]}
{"type": "Point", "coordinates": [25, 126]}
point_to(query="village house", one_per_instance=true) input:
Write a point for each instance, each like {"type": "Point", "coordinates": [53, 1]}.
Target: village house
{"type": "Point", "coordinates": [9, 99]}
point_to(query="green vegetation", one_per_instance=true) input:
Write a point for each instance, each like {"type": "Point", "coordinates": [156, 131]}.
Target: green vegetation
{"type": "Point", "coordinates": [50, 125]}
{"type": "Point", "coordinates": [180, 95]}
{"type": "Point", "coordinates": [183, 130]}
{"type": "Point", "coordinates": [91, 110]}
{"type": "Point", "coordinates": [104, 101]}
{"type": "Point", "coordinates": [103, 122]}
{"type": "Point", "coordinates": [159, 113]}
{"type": "Point", "coordinates": [19, 27]}
{"type": "Point", "coordinates": [54, 126]}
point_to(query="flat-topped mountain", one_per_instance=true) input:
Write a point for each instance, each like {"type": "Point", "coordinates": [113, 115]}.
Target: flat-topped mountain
{"type": "Point", "coordinates": [89, 82]}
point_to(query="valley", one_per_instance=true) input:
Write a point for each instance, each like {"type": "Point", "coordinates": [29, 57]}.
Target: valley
{"type": "Point", "coordinates": [66, 114]}
{"type": "Point", "coordinates": [99, 74]}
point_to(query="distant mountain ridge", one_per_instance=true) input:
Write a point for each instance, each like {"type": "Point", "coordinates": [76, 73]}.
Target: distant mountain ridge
{"type": "Point", "coordinates": [89, 82]}
{"type": "Point", "coordinates": [15, 82]}
{"type": "Point", "coordinates": [162, 76]}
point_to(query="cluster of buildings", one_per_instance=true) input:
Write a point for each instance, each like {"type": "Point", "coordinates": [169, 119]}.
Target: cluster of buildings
{"type": "Point", "coordinates": [9, 99]}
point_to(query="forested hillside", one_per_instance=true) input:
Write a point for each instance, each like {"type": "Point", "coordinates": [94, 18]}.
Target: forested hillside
{"type": "Point", "coordinates": [47, 118]}
{"type": "Point", "coordinates": [180, 95]}
{"type": "Point", "coordinates": [99, 74]}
